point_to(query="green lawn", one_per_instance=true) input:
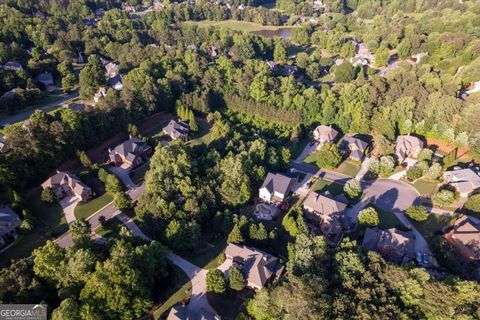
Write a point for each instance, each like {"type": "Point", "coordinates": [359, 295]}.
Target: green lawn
{"type": "Point", "coordinates": [324, 185]}
{"type": "Point", "coordinates": [232, 25]}
{"type": "Point", "coordinates": [49, 223]}
{"type": "Point", "coordinates": [434, 224]}
{"type": "Point", "coordinates": [175, 288]}
{"type": "Point", "coordinates": [209, 258]}
{"type": "Point", "coordinates": [296, 147]}
{"type": "Point", "coordinates": [349, 168]}
{"type": "Point", "coordinates": [202, 136]}
{"type": "Point", "coordinates": [424, 186]}
{"type": "Point", "coordinates": [85, 210]}
{"type": "Point", "coordinates": [110, 229]}
{"type": "Point", "coordinates": [311, 158]}
{"type": "Point", "coordinates": [138, 174]}
{"type": "Point", "coordinates": [388, 220]}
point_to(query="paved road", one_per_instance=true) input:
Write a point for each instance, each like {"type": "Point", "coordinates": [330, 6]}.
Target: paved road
{"type": "Point", "coordinates": [46, 107]}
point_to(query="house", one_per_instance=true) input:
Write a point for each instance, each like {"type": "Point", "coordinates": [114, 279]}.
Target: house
{"type": "Point", "coordinates": [258, 267]}
{"type": "Point", "coordinates": [355, 147]}
{"type": "Point", "coordinates": [363, 55]}
{"type": "Point", "coordinates": [3, 144]}
{"type": "Point", "coordinates": [276, 188]}
{"type": "Point", "coordinates": [130, 153]}
{"type": "Point", "coordinates": [112, 69]}
{"type": "Point", "coordinates": [465, 181]}
{"type": "Point", "coordinates": [324, 134]}
{"type": "Point", "coordinates": [326, 212]}
{"type": "Point", "coordinates": [395, 245]}
{"type": "Point", "coordinates": [65, 184]}
{"type": "Point", "coordinates": [465, 238]}
{"type": "Point", "coordinates": [289, 70]}
{"type": "Point", "coordinates": [176, 129]}
{"type": "Point", "coordinates": [101, 93]}
{"type": "Point", "coordinates": [213, 51]}
{"type": "Point", "coordinates": [115, 82]}
{"type": "Point", "coordinates": [77, 107]}
{"type": "Point", "coordinates": [9, 222]}
{"type": "Point", "coordinates": [408, 146]}
{"type": "Point", "coordinates": [46, 79]}
{"type": "Point", "coordinates": [12, 66]}
{"type": "Point", "coordinates": [11, 94]}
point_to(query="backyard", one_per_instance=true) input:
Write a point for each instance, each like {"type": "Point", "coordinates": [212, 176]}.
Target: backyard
{"type": "Point", "coordinates": [49, 223]}
{"type": "Point", "coordinates": [180, 289]}
{"type": "Point", "coordinates": [203, 135]}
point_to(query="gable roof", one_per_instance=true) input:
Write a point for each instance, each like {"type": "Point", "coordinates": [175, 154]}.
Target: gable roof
{"type": "Point", "coordinates": [465, 180]}
{"type": "Point", "coordinates": [467, 233]}
{"type": "Point", "coordinates": [258, 266]}
{"type": "Point", "coordinates": [397, 245]}
{"type": "Point", "coordinates": [277, 183]}
{"type": "Point", "coordinates": [322, 204]}
{"type": "Point", "coordinates": [79, 107]}
{"type": "Point", "coordinates": [407, 143]}
{"type": "Point", "coordinates": [176, 129]}
{"type": "Point", "coordinates": [325, 131]}
{"type": "Point", "coordinates": [360, 144]}
{"type": "Point", "coordinates": [128, 146]}
{"type": "Point", "coordinates": [45, 77]}
{"type": "Point", "coordinates": [62, 178]}
{"type": "Point", "coordinates": [7, 215]}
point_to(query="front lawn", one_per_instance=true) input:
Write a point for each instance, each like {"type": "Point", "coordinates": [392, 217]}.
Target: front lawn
{"type": "Point", "coordinates": [312, 158]}
{"type": "Point", "coordinates": [425, 186]}
{"type": "Point", "coordinates": [86, 210]}
{"type": "Point", "coordinates": [433, 226]}
{"type": "Point", "coordinates": [388, 220]}
{"type": "Point", "coordinates": [349, 168]}
{"type": "Point", "coordinates": [175, 288]}
{"type": "Point", "coordinates": [49, 223]}
{"type": "Point", "coordinates": [209, 257]}
{"type": "Point", "coordinates": [334, 188]}
{"type": "Point", "coordinates": [111, 228]}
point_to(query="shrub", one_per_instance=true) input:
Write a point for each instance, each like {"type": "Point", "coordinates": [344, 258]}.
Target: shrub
{"type": "Point", "coordinates": [216, 281]}
{"type": "Point", "coordinates": [112, 184]}
{"type": "Point", "coordinates": [473, 203]}
{"type": "Point", "coordinates": [417, 213]}
{"type": "Point", "coordinates": [414, 173]}
{"type": "Point", "coordinates": [236, 279]}
{"type": "Point", "coordinates": [369, 217]}
{"type": "Point", "coordinates": [328, 156]}
{"type": "Point", "coordinates": [352, 189]}
{"type": "Point", "coordinates": [47, 195]}
{"type": "Point", "coordinates": [374, 167]}
{"type": "Point", "coordinates": [122, 201]}
{"type": "Point", "coordinates": [235, 235]}
{"type": "Point", "coordinates": [425, 155]}
{"type": "Point", "coordinates": [387, 164]}
{"type": "Point", "coordinates": [294, 223]}
{"type": "Point", "coordinates": [435, 171]}
{"type": "Point", "coordinates": [444, 197]}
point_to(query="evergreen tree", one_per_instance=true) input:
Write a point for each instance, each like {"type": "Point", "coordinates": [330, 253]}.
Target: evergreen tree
{"type": "Point", "coordinates": [236, 279]}
{"type": "Point", "coordinates": [235, 235]}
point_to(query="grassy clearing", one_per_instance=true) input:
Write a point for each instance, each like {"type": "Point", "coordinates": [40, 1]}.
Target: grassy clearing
{"type": "Point", "coordinates": [349, 168]}
{"type": "Point", "coordinates": [85, 210]}
{"type": "Point", "coordinates": [202, 136]}
{"type": "Point", "coordinates": [297, 147]}
{"type": "Point", "coordinates": [388, 220]}
{"type": "Point", "coordinates": [432, 226]}
{"type": "Point", "coordinates": [49, 223]}
{"type": "Point", "coordinates": [110, 228]}
{"type": "Point", "coordinates": [178, 288]}
{"type": "Point", "coordinates": [311, 158]}
{"type": "Point", "coordinates": [233, 25]}
{"type": "Point", "coordinates": [209, 258]}
{"type": "Point", "coordinates": [334, 188]}
{"type": "Point", "coordinates": [425, 186]}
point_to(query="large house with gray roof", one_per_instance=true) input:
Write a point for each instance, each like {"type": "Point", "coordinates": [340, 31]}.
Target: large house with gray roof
{"type": "Point", "coordinates": [130, 153]}
{"type": "Point", "coordinates": [465, 238]}
{"type": "Point", "coordinates": [393, 244]}
{"type": "Point", "coordinates": [407, 146]}
{"type": "Point", "coordinates": [324, 134]}
{"type": "Point", "coordinates": [65, 184]}
{"type": "Point", "coordinates": [177, 130]}
{"type": "Point", "coordinates": [465, 181]}
{"type": "Point", "coordinates": [258, 267]}
{"type": "Point", "coordinates": [276, 188]}
{"type": "Point", "coordinates": [9, 222]}
{"type": "Point", "coordinates": [355, 147]}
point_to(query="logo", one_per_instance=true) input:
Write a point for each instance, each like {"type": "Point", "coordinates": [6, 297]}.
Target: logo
{"type": "Point", "coordinates": [23, 312]}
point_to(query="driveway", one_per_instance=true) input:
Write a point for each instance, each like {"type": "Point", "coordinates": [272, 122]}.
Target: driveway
{"type": "Point", "coordinates": [68, 204]}
{"type": "Point", "coordinates": [309, 148]}
{"type": "Point", "coordinates": [363, 169]}
{"type": "Point", "coordinates": [123, 175]}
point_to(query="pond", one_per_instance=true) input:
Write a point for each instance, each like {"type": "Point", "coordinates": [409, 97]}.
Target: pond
{"type": "Point", "coordinates": [283, 33]}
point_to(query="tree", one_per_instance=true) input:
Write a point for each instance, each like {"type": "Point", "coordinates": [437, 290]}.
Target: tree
{"type": "Point", "coordinates": [444, 197]}
{"type": "Point", "coordinates": [235, 187]}
{"type": "Point", "coordinates": [68, 309]}
{"type": "Point", "coordinates": [236, 279]}
{"type": "Point", "coordinates": [328, 156]}
{"type": "Point", "coordinates": [417, 213]}
{"type": "Point", "coordinates": [387, 164]}
{"type": "Point", "coordinates": [48, 261]}
{"type": "Point", "coordinates": [84, 159]}
{"type": "Point", "coordinates": [182, 235]}
{"type": "Point", "coordinates": [425, 155]}
{"type": "Point", "coordinates": [352, 189]}
{"type": "Point", "coordinates": [473, 203]}
{"type": "Point", "coordinates": [279, 53]}
{"type": "Point", "coordinates": [122, 201]}
{"type": "Point", "coordinates": [92, 76]}
{"type": "Point", "coordinates": [216, 281]}
{"type": "Point", "coordinates": [369, 217]}
{"type": "Point", "coordinates": [112, 184]}
{"type": "Point", "coordinates": [381, 57]}
{"type": "Point", "coordinates": [414, 173]}
{"type": "Point", "coordinates": [294, 223]}
{"type": "Point", "coordinates": [435, 171]}
{"type": "Point", "coordinates": [235, 235]}
{"type": "Point", "coordinates": [192, 122]}
{"type": "Point", "coordinates": [344, 73]}
{"type": "Point", "coordinates": [48, 196]}
{"type": "Point", "coordinates": [81, 232]}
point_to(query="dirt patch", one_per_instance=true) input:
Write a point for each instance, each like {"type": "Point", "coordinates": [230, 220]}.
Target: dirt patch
{"type": "Point", "coordinates": [445, 147]}
{"type": "Point", "coordinates": [152, 123]}
{"type": "Point", "coordinates": [99, 154]}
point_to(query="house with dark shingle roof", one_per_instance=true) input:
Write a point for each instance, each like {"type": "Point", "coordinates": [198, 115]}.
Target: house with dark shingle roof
{"type": "Point", "coordinates": [465, 238]}
{"type": "Point", "coordinates": [393, 244]}
{"type": "Point", "coordinates": [130, 153]}
{"type": "Point", "coordinates": [65, 184]}
{"type": "Point", "coordinates": [9, 222]}
{"type": "Point", "coordinates": [465, 181]}
{"type": "Point", "coordinates": [325, 134]}
{"type": "Point", "coordinates": [46, 79]}
{"type": "Point", "coordinates": [355, 147]}
{"type": "Point", "coordinates": [258, 267]}
{"type": "Point", "coordinates": [407, 146]}
{"type": "Point", "coordinates": [12, 66]}
{"type": "Point", "coordinates": [276, 188]}
{"type": "Point", "coordinates": [176, 129]}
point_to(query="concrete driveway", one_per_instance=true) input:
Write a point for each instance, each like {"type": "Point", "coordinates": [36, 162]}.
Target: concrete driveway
{"type": "Point", "coordinates": [68, 204]}
{"type": "Point", "coordinates": [123, 175]}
